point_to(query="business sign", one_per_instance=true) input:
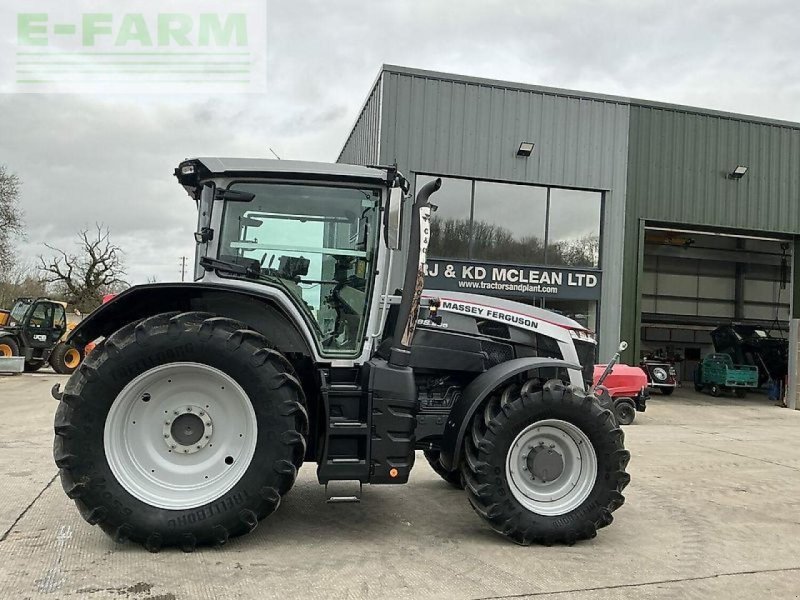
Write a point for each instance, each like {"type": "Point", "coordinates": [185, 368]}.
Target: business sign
{"type": "Point", "coordinates": [132, 46]}
{"type": "Point", "coordinates": [528, 281]}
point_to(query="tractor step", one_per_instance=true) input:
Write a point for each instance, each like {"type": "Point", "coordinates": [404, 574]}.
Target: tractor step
{"type": "Point", "coordinates": [343, 491]}
{"type": "Point", "coordinates": [347, 437]}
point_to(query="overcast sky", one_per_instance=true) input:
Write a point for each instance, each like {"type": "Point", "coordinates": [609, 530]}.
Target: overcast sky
{"type": "Point", "coordinates": [88, 158]}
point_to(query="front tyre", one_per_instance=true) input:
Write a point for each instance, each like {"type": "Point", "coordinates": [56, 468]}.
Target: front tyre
{"type": "Point", "coordinates": [547, 468]}
{"type": "Point", "coordinates": [65, 358]}
{"type": "Point", "coordinates": [180, 430]}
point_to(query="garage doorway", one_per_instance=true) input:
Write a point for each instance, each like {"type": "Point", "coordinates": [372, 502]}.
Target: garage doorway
{"type": "Point", "coordinates": [696, 281]}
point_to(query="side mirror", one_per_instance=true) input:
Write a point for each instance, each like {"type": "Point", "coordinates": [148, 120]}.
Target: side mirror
{"type": "Point", "coordinates": [205, 235]}
{"type": "Point", "coordinates": [623, 346]}
{"type": "Point", "coordinates": [394, 209]}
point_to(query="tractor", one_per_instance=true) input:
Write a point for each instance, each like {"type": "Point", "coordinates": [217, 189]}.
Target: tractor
{"type": "Point", "coordinates": [34, 329]}
{"type": "Point", "coordinates": [308, 336]}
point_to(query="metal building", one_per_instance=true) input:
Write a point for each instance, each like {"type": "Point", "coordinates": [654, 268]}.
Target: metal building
{"type": "Point", "coordinates": [649, 222]}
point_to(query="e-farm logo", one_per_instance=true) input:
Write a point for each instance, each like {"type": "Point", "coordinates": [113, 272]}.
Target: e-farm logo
{"type": "Point", "coordinates": [134, 46]}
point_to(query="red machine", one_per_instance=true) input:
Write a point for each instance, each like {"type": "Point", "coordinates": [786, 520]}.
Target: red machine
{"type": "Point", "coordinates": [628, 389]}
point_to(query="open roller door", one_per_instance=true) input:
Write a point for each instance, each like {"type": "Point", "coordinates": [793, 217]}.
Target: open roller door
{"type": "Point", "coordinates": [694, 282]}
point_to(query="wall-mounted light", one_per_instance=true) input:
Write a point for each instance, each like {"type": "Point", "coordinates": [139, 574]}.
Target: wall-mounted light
{"type": "Point", "coordinates": [525, 149]}
{"type": "Point", "coordinates": [738, 172]}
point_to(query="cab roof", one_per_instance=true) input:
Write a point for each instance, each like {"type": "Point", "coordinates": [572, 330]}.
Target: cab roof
{"type": "Point", "coordinates": [194, 170]}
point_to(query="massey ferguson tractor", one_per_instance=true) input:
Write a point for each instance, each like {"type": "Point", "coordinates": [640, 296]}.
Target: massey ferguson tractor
{"type": "Point", "coordinates": [188, 421]}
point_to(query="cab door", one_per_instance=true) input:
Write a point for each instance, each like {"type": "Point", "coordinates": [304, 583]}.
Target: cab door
{"type": "Point", "coordinates": [44, 324]}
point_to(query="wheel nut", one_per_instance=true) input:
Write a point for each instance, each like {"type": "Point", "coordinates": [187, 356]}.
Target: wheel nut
{"type": "Point", "coordinates": [166, 436]}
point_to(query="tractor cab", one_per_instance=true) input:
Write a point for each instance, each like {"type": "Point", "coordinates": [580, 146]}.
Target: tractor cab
{"type": "Point", "coordinates": [319, 241]}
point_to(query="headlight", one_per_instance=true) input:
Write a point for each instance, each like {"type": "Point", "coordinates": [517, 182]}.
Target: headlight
{"type": "Point", "coordinates": [583, 334]}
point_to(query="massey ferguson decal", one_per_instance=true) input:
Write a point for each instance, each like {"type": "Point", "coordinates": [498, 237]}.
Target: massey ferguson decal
{"type": "Point", "coordinates": [487, 312]}
{"type": "Point", "coordinates": [513, 280]}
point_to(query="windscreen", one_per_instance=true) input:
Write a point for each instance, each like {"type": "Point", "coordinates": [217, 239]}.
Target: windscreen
{"type": "Point", "coordinates": [19, 310]}
{"type": "Point", "coordinates": [315, 242]}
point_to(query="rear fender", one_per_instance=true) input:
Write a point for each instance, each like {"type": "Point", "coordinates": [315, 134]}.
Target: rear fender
{"type": "Point", "coordinates": [474, 395]}
{"type": "Point", "coordinates": [10, 335]}
{"type": "Point", "coordinates": [261, 312]}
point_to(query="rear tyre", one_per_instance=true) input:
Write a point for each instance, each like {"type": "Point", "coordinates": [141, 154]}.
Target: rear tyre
{"type": "Point", "coordinates": [667, 391]}
{"type": "Point", "coordinates": [625, 412]}
{"type": "Point", "coordinates": [547, 468]}
{"type": "Point", "coordinates": [451, 477]}
{"type": "Point", "coordinates": [8, 347]}
{"type": "Point", "coordinates": [715, 390]}
{"type": "Point", "coordinates": [65, 358]}
{"type": "Point", "coordinates": [180, 430]}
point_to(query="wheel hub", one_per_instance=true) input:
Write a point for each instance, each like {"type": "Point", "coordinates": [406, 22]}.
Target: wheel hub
{"type": "Point", "coordinates": [545, 463]}
{"type": "Point", "coordinates": [180, 435]}
{"type": "Point", "coordinates": [189, 430]}
{"type": "Point", "coordinates": [551, 467]}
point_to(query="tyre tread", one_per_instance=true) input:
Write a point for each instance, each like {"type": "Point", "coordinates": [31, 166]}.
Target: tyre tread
{"type": "Point", "coordinates": [68, 442]}
{"type": "Point", "coordinates": [492, 502]}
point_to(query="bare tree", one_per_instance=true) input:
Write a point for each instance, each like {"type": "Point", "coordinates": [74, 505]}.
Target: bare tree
{"type": "Point", "coordinates": [83, 278]}
{"type": "Point", "coordinates": [455, 238]}
{"type": "Point", "coordinates": [17, 281]}
{"type": "Point", "coordinates": [10, 215]}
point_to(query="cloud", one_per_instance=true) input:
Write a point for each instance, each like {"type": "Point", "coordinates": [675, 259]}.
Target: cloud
{"type": "Point", "coordinates": [91, 158]}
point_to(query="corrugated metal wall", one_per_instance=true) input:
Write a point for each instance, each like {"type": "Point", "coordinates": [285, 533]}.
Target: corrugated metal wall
{"type": "Point", "coordinates": [678, 166]}
{"type": "Point", "coordinates": [468, 127]}
{"type": "Point", "coordinates": [363, 145]}
{"type": "Point", "coordinates": [679, 162]}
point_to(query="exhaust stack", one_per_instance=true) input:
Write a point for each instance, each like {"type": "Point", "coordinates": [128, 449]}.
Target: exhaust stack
{"type": "Point", "coordinates": [415, 275]}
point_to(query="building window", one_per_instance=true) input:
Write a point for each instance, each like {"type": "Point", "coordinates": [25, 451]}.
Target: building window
{"type": "Point", "coordinates": [573, 238]}
{"type": "Point", "coordinates": [515, 223]}
{"type": "Point", "coordinates": [509, 222]}
{"type": "Point", "coordinates": [450, 223]}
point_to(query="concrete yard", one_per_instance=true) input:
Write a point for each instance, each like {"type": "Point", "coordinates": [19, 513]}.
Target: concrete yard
{"type": "Point", "coordinates": [713, 510]}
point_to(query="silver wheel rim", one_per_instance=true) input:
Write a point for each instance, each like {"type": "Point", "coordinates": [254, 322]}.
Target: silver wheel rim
{"type": "Point", "coordinates": [180, 435]}
{"type": "Point", "coordinates": [533, 473]}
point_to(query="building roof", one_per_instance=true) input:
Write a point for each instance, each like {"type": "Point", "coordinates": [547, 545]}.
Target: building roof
{"type": "Point", "coordinates": [497, 83]}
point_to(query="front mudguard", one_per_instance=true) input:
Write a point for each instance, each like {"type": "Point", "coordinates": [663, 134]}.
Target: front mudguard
{"type": "Point", "coordinates": [474, 395]}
